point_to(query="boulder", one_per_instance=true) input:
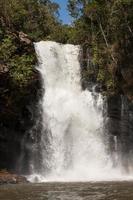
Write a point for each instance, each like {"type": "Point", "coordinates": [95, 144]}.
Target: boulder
{"type": "Point", "coordinates": [24, 38]}
{"type": "Point", "coordinates": [3, 68]}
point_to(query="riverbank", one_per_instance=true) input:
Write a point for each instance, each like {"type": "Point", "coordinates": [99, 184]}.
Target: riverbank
{"type": "Point", "coordinates": [10, 178]}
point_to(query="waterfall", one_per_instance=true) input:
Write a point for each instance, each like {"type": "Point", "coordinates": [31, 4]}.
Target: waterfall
{"type": "Point", "coordinates": [72, 143]}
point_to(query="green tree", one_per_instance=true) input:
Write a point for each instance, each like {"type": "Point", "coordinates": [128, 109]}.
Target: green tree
{"type": "Point", "coordinates": [37, 19]}
{"type": "Point", "coordinates": [107, 26]}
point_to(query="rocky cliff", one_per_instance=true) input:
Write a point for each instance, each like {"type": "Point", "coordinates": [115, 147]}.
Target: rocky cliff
{"type": "Point", "coordinates": [18, 101]}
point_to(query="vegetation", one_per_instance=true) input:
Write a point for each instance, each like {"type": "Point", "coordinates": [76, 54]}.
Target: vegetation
{"type": "Point", "coordinates": [107, 28]}
{"type": "Point", "coordinates": [22, 23]}
{"type": "Point", "coordinates": [35, 18]}
{"type": "Point", "coordinates": [104, 27]}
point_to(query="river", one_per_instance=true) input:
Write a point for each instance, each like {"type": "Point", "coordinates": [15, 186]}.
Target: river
{"type": "Point", "coordinates": [69, 191]}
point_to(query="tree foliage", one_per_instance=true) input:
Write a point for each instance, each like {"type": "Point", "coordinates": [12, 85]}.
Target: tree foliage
{"type": "Point", "coordinates": [38, 19]}
{"type": "Point", "coordinates": [35, 18]}
{"type": "Point", "coordinates": [107, 27]}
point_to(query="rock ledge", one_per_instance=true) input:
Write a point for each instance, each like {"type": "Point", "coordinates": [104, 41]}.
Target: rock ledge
{"type": "Point", "coordinates": [9, 178]}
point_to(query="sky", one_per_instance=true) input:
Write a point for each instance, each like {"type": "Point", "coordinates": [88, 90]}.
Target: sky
{"type": "Point", "coordinates": [64, 15]}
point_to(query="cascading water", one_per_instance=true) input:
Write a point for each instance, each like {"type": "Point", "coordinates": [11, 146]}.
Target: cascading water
{"type": "Point", "coordinates": [72, 143]}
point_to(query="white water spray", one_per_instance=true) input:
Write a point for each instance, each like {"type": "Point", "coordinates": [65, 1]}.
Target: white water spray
{"type": "Point", "coordinates": [72, 143]}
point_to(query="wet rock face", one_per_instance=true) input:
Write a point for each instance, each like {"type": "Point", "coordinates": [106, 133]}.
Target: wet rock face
{"type": "Point", "coordinates": [18, 113]}
{"type": "Point", "coordinates": [114, 114]}
{"type": "Point", "coordinates": [120, 127]}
